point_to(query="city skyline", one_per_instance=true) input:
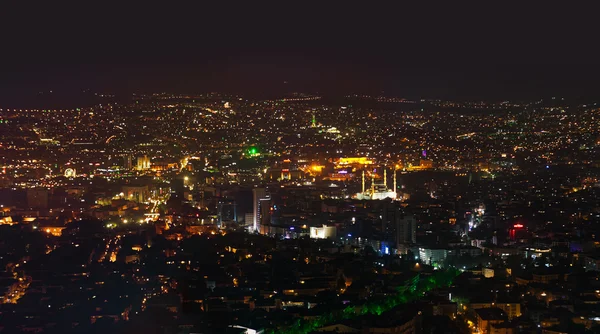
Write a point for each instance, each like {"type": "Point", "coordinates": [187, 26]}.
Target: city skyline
{"type": "Point", "coordinates": [299, 169]}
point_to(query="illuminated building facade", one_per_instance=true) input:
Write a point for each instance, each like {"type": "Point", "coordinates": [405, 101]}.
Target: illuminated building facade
{"type": "Point", "coordinates": [164, 166]}
{"type": "Point", "coordinates": [283, 174]}
{"type": "Point", "coordinates": [143, 163]}
{"type": "Point", "coordinates": [6, 220]}
{"type": "Point", "coordinates": [315, 169]}
{"type": "Point", "coordinates": [324, 232]}
{"type": "Point", "coordinates": [432, 255]}
{"type": "Point", "coordinates": [260, 202]}
{"type": "Point", "coordinates": [426, 164]}
{"type": "Point", "coordinates": [285, 170]}
{"type": "Point", "coordinates": [341, 175]}
{"type": "Point", "coordinates": [136, 193]}
{"type": "Point", "coordinates": [54, 230]}
{"type": "Point", "coordinates": [361, 161]}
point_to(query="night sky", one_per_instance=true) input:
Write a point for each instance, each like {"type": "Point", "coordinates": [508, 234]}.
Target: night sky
{"type": "Point", "coordinates": [430, 51]}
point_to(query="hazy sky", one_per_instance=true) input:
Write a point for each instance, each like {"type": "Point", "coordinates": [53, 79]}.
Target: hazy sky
{"type": "Point", "coordinates": [433, 51]}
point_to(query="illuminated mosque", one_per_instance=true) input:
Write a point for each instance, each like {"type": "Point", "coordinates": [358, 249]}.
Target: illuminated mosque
{"type": "Point", "coordinates": [377, 190]}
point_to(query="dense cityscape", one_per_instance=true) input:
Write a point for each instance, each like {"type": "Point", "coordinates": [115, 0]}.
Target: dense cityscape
{"type": "Point", "coordinates": [219, 213]}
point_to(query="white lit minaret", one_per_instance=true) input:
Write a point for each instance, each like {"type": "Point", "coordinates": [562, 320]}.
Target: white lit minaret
{"type": "Point", "coordinates": [395, 171]}
{"type": "Point", "coordinates": [372, 184]}
{"type": "Point", "coordinates": [363, 181]}
{"type": "Point", "coordinates": [385, 177]}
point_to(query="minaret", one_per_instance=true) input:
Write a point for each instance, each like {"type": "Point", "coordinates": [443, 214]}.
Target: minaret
{"type": "Point", "coordinates": [395, 171]}
{"type": "Point", "coordinates": [314, 121]}
{"type": "Point", "coordinates": [372, 184]}
{"type": "Point", "coordinates": [363, 181]}
{"type": "Point", "coordinates": [385, 177]}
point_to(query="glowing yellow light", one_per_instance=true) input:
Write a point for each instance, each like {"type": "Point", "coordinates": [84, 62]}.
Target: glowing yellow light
{"type": "Point", "coordinates": [317, 168]}
{"type": "Point", "coordinates": [356, 160]}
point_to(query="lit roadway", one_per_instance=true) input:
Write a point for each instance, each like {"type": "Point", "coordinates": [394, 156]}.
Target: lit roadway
{"type": "Point", "coordinates": [111, 250]}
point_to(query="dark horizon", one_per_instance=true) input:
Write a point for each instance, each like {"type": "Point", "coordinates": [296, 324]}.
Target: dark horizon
{"type": "Point", "coordinates": [448, 53]}
{"type": "Point", "coordinates": [27, 89]}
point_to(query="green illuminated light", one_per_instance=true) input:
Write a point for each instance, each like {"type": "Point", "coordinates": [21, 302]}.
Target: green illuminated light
{"type": "Point", "coordinates": [415, 289]}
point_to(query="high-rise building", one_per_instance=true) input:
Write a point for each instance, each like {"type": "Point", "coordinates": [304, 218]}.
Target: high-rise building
{"type": "Point", "coordinates": [260, 203]}
{"type": "Point", "coordinates": [249, 220]}
{"type": "Point", "coordinates": [389, 212]}
{"type": "Point", "coordinates": [406, 229]}
{"type": "Point", "coordinates": [178, 188]}
{"type": "Point", "coordinates": [226, 211]}
{"type": "Point", "coordinates": [127, 162]}
{"type": "Point", "coordinates": [264, 220]}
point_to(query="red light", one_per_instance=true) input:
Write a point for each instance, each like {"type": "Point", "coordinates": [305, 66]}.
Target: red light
{"type": "Point", "coordinates": [518, 226]}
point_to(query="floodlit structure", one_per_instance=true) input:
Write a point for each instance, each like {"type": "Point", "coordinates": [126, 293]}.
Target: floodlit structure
{"type": "Point", "coordinates": [70, 172]}
{"type": "Point", "coordinates": [143, 163]}
{"type": "Point", "coordinates": [260, 205]}
{"type": "Point", "coordinates": [355, 161]}
{"type": "Point", "coordinates": [324, 232]}
{"type": "Point", "coordinates": [378, 190]}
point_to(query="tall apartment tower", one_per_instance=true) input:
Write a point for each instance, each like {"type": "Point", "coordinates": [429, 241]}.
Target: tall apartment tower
{"type": "Point", "coordinates": [406, 229]}
{"type": "Point", "coordinates": [259, 200]}
{"type": "Point", "coordinates": [127, 162]}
